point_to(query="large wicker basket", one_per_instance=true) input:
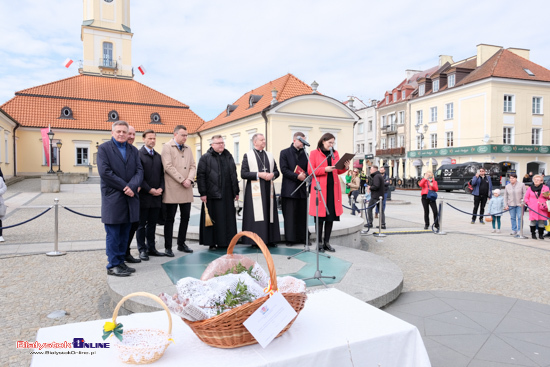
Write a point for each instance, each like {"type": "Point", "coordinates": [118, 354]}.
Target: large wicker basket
{"type": "Point", "coordinates": [227, 330]}
{"type": "Point", "coordinates": [146, 345]}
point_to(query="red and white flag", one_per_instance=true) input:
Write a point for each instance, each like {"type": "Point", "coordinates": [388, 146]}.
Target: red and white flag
{"type": "Point", "coordinates": [67, 63]}
{"type": "Point", "coordinates": [46, 144]}
{"type": "Point", "coordinates": [142, 70]}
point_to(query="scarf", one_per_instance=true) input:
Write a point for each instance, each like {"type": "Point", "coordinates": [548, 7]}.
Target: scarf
{"type": "Point", "coordinates": [256, 189]}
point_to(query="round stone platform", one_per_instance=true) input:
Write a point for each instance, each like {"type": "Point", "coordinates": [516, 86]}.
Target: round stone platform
{"type": "Point", "coordinates": [368, 277]}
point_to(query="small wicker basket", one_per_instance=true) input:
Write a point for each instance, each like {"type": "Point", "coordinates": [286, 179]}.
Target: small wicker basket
{"type": "Point", "coordinates": [227, 330]}
{"type": "Point", "coordinates": [143, 346]}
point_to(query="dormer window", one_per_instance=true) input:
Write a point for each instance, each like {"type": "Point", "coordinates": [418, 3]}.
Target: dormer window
{"type": "Point", "coordinates": [230, 108]}
{"type": "Point", "coordinates": [66, 113]}
{"type": "Point", "coordinates": [253, 100]}
{"type": "Point", "coordinates": [451, 80]}
{"type": "Point", "coordinates": [435, 86]}
{"type": "Point", "coordinates": [387, 99]}
{"type": "Point", "coordinates": [395, 96]}
{"type": "Point", "coordinates": [403, 94]}
{"type": "Point", "coordinates": [113, 116]}
{"type": "Point", "coordinates": [421, 90]}
{"type": "Point", "coordinates": [155, 118]}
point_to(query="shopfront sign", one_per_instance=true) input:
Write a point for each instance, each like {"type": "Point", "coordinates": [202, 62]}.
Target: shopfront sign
{"type": "Point", "coordinates": [481, 149]}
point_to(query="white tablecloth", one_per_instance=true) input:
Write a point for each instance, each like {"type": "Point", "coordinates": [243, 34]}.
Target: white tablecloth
{"type": "Point", "coordinates": [333, 329]}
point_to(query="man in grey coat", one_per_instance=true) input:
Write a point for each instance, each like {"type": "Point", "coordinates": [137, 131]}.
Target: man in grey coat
{"type": "Point", "coordinates": [121, 174]}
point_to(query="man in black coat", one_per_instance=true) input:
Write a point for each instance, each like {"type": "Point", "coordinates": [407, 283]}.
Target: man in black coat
{"type": "Point", "coordinates": [150, 196]}
{"type": "Point", "coordinates": [377, 189]}
{"type": "Point", "coordinates": [121, 174]}
{"type": "Point", "coordinates": [219, 189]}
{"type": "Point", "coordinates": [293, 163]}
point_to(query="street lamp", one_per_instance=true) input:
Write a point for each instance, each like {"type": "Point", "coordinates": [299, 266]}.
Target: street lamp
{"type": "Point", "coordinates": [421, 130]}
{"type": "Point", "coordinates": [59, 144]}
{"type": "Point", "coordinates": [50, 135]}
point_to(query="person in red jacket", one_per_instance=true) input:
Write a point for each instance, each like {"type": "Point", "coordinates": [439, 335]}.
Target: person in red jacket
{"type": "Point", "coordinates": [428, 183]}
{"type": "Point", "coordinates": [327, 175]}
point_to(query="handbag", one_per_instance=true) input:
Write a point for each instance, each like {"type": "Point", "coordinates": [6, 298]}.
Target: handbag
{"type": "Point", "coordinates": [432, 195]}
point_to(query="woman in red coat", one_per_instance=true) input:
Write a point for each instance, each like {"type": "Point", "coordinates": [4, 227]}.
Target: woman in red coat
{"type": "Point", "coordinates": [327, 175]}
{"type": "Point", "coordinates": [428, 183]}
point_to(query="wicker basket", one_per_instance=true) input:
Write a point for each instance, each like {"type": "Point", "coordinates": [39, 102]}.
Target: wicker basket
{"type": "Point", "coordinates": [138, 346]}
{"type": "Point", "coordinates": [227, 330]}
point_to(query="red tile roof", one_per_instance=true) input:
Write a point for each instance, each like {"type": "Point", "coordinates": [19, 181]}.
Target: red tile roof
{"type": "Point", "coordinates": [408, 84]}
{"type": "Point", "coordinates": [506, 64]}
{"type": "Point", "coordinates": [287, 86]}
{"type": "Point", "coordinates": [91, 98]}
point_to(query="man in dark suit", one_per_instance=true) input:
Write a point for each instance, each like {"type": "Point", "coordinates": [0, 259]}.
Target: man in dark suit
{"type": "Point", "coordinates": [121, 174]}
{"type": "Point", "coordinates": [293, 162]}
{"type": "Point", "coordinates": [150, 196]}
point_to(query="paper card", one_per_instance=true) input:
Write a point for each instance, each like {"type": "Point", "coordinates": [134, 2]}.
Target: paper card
{"type": "Point", "coordinates": [269, 319]}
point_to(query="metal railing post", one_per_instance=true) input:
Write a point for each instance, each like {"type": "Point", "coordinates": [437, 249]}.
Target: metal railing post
{"type": "Point", "coordinates": [55, 251]}
{"type": "Point", "coordinates": [520, 235]}
{"type": "Point", "coordinates": [380, 208]}
{"type": "Point", "coordinates": [441, 231]}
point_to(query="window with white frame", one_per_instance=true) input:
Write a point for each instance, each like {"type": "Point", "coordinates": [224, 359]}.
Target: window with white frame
{"type": "Point", "coordinates": [360, 128]}
{"type": "Point", "coordinates": [370, 125]}
{"type": "Point", "coordinates": [433, 114]}
{"type": "Point", "coordinates": [370, 147]}
{"type": "Point", "coordinates": [236, 153]}
{"type": "Point", "coordinates": [401, 117]}
{"type": "Point", "coordinates": [419, 117]}
{"type": "Point", "coordinates": [362, 148]}
{"type": "Point", "coordinates": [401, 141]}
{"type": "Point", "coordinates": [387, 99]}
{"type": "Point", "coordinates": [55, 154]}
{"type": "Point", "coordinates": [383, 143]}
{"type": "Point", "coordinates": [6, 147]}
{"type": "Point", "coordinates": [383, 121]}
{"type": "Point", "coordinates": [449, 111]}
{"type": "Point", "coordinates": [451, 80]}
{"type": "Point", "coordinates": [509, 103]}
{"type": "Point", "coordinates": [537, 105]}
{"type": "Point", "coordinates": [392, 142]}
{"type": "Point", "coordinates": [421, 89]}
{"type": "Point", "coordinates": [435, 86]}
{"type": "Point", "coordinates": [358, 150]}
{"type": "Point", "coordinates": [403, 94]}
{"type": "Point", "coordinates": [536, 136]}
{"type": "Point", "coordinates": [82, 156]}
{"type": "Point", "coordinates": [507, 135]}
{"type": "Point", "coordinates": [433, 141]}
{"type": "Point", "coordinates": [419, 142]}
{"type": "Point", "coordinates": [449, 139]}
{"type": "Point", "coordinates": [394, 96]}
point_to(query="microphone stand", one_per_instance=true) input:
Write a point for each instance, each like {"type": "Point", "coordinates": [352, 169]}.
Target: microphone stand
{"type": "Point", "coordinates": [318, 272]}
{"type": "Point", "coordinates": [307, 182]}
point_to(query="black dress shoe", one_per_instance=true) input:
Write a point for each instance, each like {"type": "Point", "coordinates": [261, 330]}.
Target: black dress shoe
{"type": "Point", "coordinates": [168, 253]}
{"type": "Point", "coordinates": [143, 256]}
{"type": "Point", "coordinates": [127, 268]}
{"type": "Point", "coordinates": [321, 249]}
{"type": "Point", "coordinates": [118, 271]}
{"type": "Point", "coordinates": [132, 260]}
{"type": "Point", "coordinates": [426, 227]}
{"type": "Point", "coordinates": [272, 245]}
{"type": "Point", "coordinates": [383, 227]}
{"type": "Point", "coordinates": [368, 225]}
{"type": "Point", "coordinates": [155, 253]}
{"type": "Point", "coordinates": [212, 248]}
{"type": "Point", "coordinates": [328, 247]}
{"type": "Point", "coordinates": [184, 248]}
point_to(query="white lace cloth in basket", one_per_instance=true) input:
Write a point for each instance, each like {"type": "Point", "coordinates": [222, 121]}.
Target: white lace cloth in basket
{"type": "Point", "coordinates": [141, 344]}
{"type": "Point", "coordinates": [196, 299]}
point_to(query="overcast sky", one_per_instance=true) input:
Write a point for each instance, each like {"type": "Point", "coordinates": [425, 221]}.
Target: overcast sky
{"type": "Point", "coordinates": [208, 53]}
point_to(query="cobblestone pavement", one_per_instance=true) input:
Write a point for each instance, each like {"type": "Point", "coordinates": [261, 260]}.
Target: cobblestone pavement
{"type": "Point", "coordinates": [35, 285]}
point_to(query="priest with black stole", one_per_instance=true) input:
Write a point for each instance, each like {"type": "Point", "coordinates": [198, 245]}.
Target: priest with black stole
{"type": "Point", "coordinates": [260, 215]}
{"type": "Point", "coordinates": [218, 188]}
{"type": "Point", "coordinates": [293, 163]}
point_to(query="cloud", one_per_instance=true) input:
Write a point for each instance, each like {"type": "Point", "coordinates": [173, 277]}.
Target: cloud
{"type": "Point", "coordinates": [207, 54]}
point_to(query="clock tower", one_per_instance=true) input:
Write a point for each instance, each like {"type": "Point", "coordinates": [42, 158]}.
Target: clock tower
{"type": "Point", "coordinates": [107, 38]}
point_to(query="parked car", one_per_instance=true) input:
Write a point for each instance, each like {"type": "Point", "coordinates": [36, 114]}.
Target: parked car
{"type": "Point", "coordinates": [451, 177]}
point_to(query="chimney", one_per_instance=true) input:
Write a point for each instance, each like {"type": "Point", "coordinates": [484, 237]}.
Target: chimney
{"type": "Point", "coordinates": [274, 95]}
{"type": "Point", "coordinates": [485, 52]}
{"type": "Point", "coordinates": [409, 73]}
{"type": "Point", "coordinates": [523, 52]}
{"type": "Point", "coordinates": [350, 103]}
{"type": "Point", "coordinates": [444, 59]}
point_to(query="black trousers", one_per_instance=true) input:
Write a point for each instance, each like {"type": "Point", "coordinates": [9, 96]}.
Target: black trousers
{"type": "Point", "coordinates": [328, 230]}
{"type": "Point", "coordinates": [169, 215]}
{"type": "Point", "coordinates": [146, 230]}
{"type": "Point", "coordinates": [479, 201]}
{"type": "Point", "coordinates": [427, 204]}
{"type": "Point", "coordinates": [373, 200]}
{"type": "Point", "coordinates": [133, 229]}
